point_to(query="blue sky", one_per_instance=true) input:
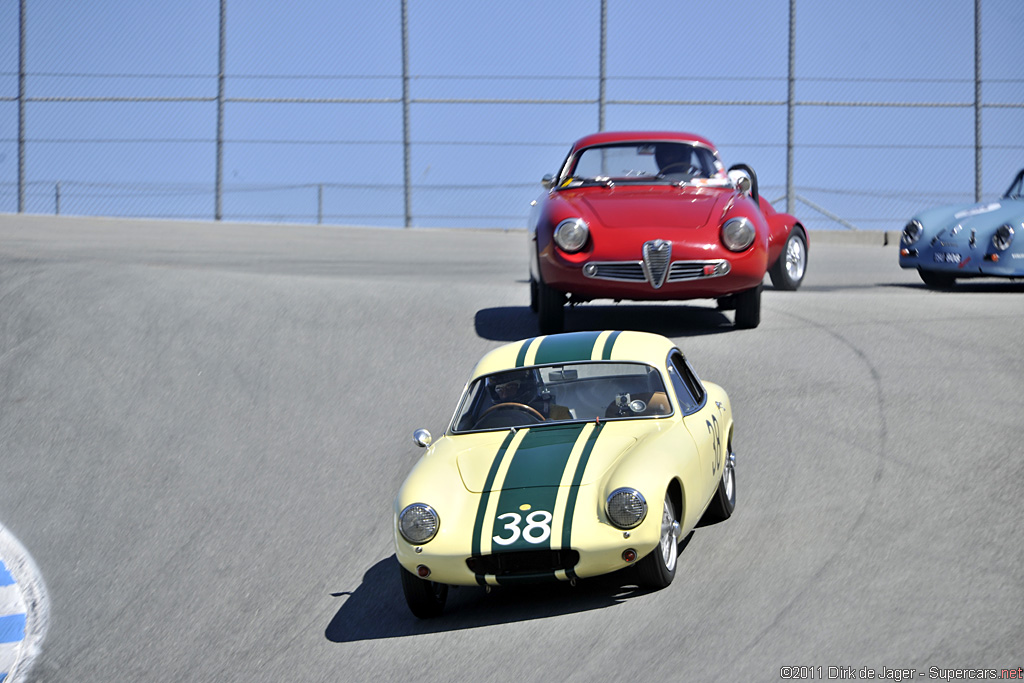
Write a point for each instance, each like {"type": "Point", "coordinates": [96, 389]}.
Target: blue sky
{"type": "Point", "coordinates": [478, 165]}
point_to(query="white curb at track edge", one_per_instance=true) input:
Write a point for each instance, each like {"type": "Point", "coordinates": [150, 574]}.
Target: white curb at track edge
{"type": "Point", "coordinates": [29, 581]}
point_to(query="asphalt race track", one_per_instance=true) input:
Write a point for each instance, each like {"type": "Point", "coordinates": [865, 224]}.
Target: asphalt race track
{"type": "Point", "coordinates": [202, 429]}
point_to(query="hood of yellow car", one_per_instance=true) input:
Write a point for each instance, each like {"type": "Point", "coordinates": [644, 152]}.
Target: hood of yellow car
{"type": "Point", "coordinates": [554, 455]}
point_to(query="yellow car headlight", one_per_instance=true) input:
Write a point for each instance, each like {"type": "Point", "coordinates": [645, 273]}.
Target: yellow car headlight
{"type": "Point", "coordinates": [626, 508]}
{"type": "Point", "coordinates": [418, 523]}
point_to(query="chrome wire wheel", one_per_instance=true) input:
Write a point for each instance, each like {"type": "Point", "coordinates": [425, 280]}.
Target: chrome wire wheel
{"type": "Point", "coordinates": [658, 567]}
{"type": "Point", "coordinates": [791, 265]}
{"type": "Point", "coordinates": [724, 501]}
{"type": "Point", "coordinates": [669, 537]}
{"type": "Point", "coordinates": [729, 479]}
{"type": "Point", "coordinates": [796, 259]}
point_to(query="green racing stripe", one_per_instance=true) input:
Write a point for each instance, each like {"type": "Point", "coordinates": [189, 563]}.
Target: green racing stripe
{"type": "Point", "coordinates": [574, 488]}
{"type": "Point", "coordinates": [566, 348]}
{"type": "Point", "coordinates": [532, 483]}
{"type": "Point", "coordinates": [606, 354]}
{"type": "Point", "coordinates": [485, 496]}
{"type": "Point", "coordinates": [521, 356]}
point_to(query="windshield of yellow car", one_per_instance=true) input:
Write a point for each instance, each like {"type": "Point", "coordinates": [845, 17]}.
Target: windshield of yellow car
{"type": "Point", "coordinates": [646, 162]}
{"type": "Point", "coordinates": [542, 394]}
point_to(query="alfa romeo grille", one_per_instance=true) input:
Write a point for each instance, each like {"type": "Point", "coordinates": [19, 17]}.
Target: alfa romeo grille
{"type": "Point", "coordinates": [636, 271]}
{"type": "Point", "coordinates": [624, 271]}
{"type": "Point", "coordinates": [696, 270]}
{"type": "Point", "coordinates": [657, 255]}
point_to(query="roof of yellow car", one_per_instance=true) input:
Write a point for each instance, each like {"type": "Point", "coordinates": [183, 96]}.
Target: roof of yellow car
{"type": "Point", "coordinates": [575, 347]}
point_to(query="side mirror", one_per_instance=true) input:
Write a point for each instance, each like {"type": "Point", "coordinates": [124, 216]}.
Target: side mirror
{"type": "Point", "coordinates": [422, 438]}
{"type": "Point", "coordinates": [745, 179]}
{"type": "Point", "coordinates": [741, 180]}
{"type": "Point", "coordinates": [548, 181]}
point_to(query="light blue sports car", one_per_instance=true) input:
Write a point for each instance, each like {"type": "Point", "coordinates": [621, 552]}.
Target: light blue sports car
{"type": "Point", "coordinates": [968, 240]}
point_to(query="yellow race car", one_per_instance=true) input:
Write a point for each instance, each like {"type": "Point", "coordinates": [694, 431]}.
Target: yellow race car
{"type": "Point", "coordinates": [554, 465]}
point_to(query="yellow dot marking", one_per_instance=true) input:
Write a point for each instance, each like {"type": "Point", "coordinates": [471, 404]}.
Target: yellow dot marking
{"type": "Point", "coordinates": [525, 506]}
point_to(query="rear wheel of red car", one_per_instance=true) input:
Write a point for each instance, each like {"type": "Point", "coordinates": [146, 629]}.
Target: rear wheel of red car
{"type": "Point", "coordinates": [426, 599]}
{"type": "Point", "coordinates": [658, 568]}
{"type": "Point", "coordinates": [933, 279]}
{"type": "Point", "coordinates": [550, 309]}
{"type": "Point", "coordinates": [788, 271]}
{"type": "Point", "coordinates": [748, 308]}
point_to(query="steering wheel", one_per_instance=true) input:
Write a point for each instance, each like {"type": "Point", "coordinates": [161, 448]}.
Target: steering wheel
{"type": "Point", "coordinates": [690, 168]}
{"type": "Point", "coordinates": [514, 406]}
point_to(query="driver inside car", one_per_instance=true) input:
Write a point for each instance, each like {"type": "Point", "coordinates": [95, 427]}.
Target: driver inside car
{"type": "Point", "coordinates": [526, 388]}
{"type": "Point", "coordinates": [673, 158]}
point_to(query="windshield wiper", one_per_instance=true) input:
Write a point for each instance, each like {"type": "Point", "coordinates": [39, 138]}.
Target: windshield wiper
{"type": "Point", "coordinates": [599, 180]}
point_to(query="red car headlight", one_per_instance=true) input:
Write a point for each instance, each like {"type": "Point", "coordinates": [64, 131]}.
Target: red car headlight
{"type": "Point", "coordinates": [738, 234]}
{"type": "Point", "coordinates": [571, 234]}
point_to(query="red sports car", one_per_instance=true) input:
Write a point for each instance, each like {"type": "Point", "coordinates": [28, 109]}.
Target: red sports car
{"type": "Point", "coordinates": [656, 216]}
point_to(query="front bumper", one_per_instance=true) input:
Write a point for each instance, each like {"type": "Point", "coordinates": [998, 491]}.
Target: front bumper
{"type": "Point", "coordinates": [962, 260]}
{"type": "Point", "coordinates": [684, 273]}
{"type": "Point", "coordinates": [599, 550]}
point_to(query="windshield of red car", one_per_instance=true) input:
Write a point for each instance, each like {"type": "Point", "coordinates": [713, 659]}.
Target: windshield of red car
{"type": "Point", "coordinates": [535, 395]}
{"type": "Point", "coordinates": [643, 162]}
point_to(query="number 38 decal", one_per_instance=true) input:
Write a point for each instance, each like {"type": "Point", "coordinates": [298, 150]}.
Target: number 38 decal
{"type": "Point", "coordinates": [716, 432]}
{"type": "Point", "coordinates": [537, 529]}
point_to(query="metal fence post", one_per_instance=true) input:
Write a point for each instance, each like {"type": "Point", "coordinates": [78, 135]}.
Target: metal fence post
{"type": "Point", "coordinates": [319, 204]}
{"type": "Point", "coordinates": [218, 191]}
{"type": "Point", "coordinates": [603, 69]}
{"type": "Point", "coordinates": [21, 106]}
{"type": "Point", "coordinates": [977, 100]}
{"type": "Point", "coordinates": [791, 110]}
{"type": "Point", "coordinates": [405, 114]}
{"type": "Point", "coordinates": [56, 199]}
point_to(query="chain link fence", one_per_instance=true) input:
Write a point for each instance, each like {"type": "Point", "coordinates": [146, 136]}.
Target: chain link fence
{"type": "Point", "coordinates": [447, 113]}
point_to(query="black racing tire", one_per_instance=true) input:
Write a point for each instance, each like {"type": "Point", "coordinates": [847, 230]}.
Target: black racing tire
{"type": "Point", "coordinates": [724, 501]}
{"type": "Point", "coordinates": [550, 309]}
{"type": "Point", "coordinates": [936, 279]}
{"type": "Point", "coordinates": [748, 309]}
{"type": "Point", "coordinates": [658, 568]}
{"type": "Point", "coordinates": [426, 599]}
{"type": "Point", "coordinates": [533, 294]}
{"type": "Point", "coordinates": [788, 270]}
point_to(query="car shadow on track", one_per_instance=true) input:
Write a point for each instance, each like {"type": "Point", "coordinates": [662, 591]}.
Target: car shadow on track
{"type": "Point", "coordinates": [972, 286]}
{"type": "Point", "coordinates": [376, 609]}
{"type": "Point", "coordinates": [512, 323]}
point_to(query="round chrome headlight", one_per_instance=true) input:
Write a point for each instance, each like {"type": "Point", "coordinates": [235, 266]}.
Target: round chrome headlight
{"type": "Point", "coordinates": [1003, 237]}
{"type": "Point", "coordinates": [912, 232]}
{"type": "Point", "coordinates": [571, 234]}
{"type": "Point", "coordinates": [418, 523]}
{"type": "Point", "coordinates": [626, 508]}
{"type": "Point", "coordinates": [737, 234]}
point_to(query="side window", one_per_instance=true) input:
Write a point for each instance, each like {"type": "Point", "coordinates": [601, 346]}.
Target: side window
{"type": "Point", "coordinates": [705, 162]}
{"type": "Point", "coordinates": [688, 387]}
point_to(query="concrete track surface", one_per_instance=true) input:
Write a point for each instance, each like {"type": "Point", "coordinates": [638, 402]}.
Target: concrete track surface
{"type": "Point", "coordinates": [203, 427]}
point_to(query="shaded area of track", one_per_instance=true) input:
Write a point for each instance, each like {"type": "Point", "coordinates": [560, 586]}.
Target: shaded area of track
{"type": "Point", "coordinates": [203, 428]}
